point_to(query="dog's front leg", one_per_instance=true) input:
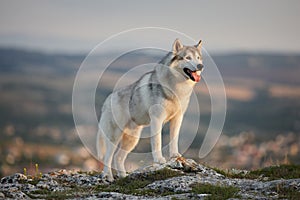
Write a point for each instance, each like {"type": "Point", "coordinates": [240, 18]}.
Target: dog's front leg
{"type": "Point", "coordinates": [156, 126]}
{"type": "Point", "coordinates": [175, 125]}
{"type": "Point", "coordinates": [157, 116]}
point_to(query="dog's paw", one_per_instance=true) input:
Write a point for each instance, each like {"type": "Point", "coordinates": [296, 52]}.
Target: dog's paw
{"type": "Point", "coordinates": [122, 174]}
{"type": "Point", "coordinates": [175, 155]}
{"type": "Point", "coordinates": [160, 160]}
{"type": "Point", "coordinates": [107, 177]}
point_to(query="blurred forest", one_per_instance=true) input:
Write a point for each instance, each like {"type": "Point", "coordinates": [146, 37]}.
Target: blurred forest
{"type": "Point", "coordinates": [36, 125]}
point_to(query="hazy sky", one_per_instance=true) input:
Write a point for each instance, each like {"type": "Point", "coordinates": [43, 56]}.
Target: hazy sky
{"type": "Point", "coordinates": [77, 26]}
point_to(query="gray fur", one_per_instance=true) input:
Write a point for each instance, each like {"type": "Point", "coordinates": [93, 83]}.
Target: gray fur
{"type": "Point", "coordinates": [159, 96]}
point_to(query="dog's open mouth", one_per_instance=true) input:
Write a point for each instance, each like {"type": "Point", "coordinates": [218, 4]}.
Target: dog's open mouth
{"type": "Point", "coordinates": [193, 75]}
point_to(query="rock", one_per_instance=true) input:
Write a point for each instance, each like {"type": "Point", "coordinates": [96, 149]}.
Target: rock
{"type": "Point", "coordinates": [115, 195]}
{"type": "Point", "coordinates": [16, 178]}
{"type": "Point", "coordinates": [92, 185]}
{"type": "Point", "coordinates": [112, 195]}
{"type": "Point", "coordinates": [17, 195]}
{"type": "Point", "coordinates": [176, 184]}
{"type": "Point", "coordinates": [50, 185]}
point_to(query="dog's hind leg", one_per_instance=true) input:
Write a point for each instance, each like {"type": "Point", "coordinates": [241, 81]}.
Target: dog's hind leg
{"type": "Point", "coordinates": [100, 144]}
{"type": "Point", "coordinates": [129, 140]}
{"type": "Point", "coordinates": [111, 145]}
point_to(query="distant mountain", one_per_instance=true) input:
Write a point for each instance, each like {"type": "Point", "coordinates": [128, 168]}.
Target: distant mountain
{"type": "Point", "coordinates": [17, 61]}
{"type": "Point", "coordinates": [36, 88]}
{"type": "Point", "coordinates": [267, 67]}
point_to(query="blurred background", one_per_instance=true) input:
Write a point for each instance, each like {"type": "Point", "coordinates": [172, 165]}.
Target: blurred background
{"type": "Point", "coordinates": [254, 44]}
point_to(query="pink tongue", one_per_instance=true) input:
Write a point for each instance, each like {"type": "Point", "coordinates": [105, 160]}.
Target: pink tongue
{"type": "Point", "coordinates": [196, 76]}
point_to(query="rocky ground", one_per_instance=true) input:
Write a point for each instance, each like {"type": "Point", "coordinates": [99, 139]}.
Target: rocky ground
{"type": "Point", "coordinates": [179, 178]}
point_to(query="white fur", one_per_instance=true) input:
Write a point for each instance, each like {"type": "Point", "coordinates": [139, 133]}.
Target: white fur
{"type": "Point", "coordinates": [126, 111]}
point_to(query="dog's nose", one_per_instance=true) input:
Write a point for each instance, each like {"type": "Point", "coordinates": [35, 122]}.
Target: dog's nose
{"type": "Point", "coordinates": [200, 66]}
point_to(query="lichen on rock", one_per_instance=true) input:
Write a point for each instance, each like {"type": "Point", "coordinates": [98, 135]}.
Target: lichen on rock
{"type": "Point", "coordinates": [179, 178]}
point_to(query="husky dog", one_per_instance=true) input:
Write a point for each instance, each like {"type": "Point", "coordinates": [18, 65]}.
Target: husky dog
{"type": "Point", "coordinates": [158, 97]}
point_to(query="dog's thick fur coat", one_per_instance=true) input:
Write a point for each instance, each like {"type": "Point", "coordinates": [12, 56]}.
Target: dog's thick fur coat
{"type": "Point", "coordinates": [159, 96]}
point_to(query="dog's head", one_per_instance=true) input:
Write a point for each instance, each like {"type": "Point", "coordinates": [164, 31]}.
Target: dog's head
{"type": "Point", "coordinates": [187, 60]}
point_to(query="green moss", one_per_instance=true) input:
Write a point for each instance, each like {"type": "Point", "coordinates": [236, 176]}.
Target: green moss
{"type": "Point", "coordinates": [32, 180]}
{"type": "Point", "coordinates": [272, 172]}
{"type": "Point", "coordinates": [216, 192]}
{"type": "Point", "coordinates": [46, 194]}
{"type": "Point", "coordinates": [230, 174]}
{"type": "Point", "coordinates": [287, 192]}
{"type": "Point", "coordinates": [69, 193]}
{"type": "Point", "coordinates": [133, 185]}
{"type": "Point", "coordinates": [278, 172]}
{"type": "Point", "coordinates": [220, 171]}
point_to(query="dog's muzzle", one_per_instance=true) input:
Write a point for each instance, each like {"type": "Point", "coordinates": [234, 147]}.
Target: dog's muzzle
{"type": "Point", "coordinates": [193, 75]}
{"type": "Point", "coordinates": [193, 71]}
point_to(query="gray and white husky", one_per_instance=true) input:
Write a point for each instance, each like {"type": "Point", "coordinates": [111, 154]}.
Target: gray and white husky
{"type": "Point", "coordinates": [158, 97]}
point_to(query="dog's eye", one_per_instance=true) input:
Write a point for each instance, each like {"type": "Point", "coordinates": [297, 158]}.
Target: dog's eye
{"type": "Point", "coordinates": [188, 58]}
{"type": "Point", "coordinates": [198, 57]}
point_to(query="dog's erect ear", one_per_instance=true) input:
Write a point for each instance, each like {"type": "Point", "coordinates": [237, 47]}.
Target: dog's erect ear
{"type": "Point", "coordinates": [177, 46]}
{"type": "Point", "coordinates": [199, 45]}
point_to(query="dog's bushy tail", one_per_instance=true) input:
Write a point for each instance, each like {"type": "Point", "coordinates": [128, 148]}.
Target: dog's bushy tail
{"type": "Point", "coordinates": [100, 144]}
